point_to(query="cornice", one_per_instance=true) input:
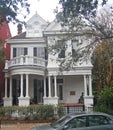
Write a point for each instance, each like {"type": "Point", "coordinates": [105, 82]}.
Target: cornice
{"type": "Point", "coordinates": [27, 40]}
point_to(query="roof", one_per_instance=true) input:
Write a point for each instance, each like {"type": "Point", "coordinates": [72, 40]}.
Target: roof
{"type": "Point", "coordinates": [20, 36]}
{"type": "Point", "coordinates": [23, 36]}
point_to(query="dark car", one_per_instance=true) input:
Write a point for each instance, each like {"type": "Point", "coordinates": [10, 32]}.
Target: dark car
{"type": "Point", "coordinates": [81, 121]}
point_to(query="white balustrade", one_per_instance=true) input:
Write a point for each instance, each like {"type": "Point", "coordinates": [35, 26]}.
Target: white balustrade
{"type": "Point", "coordinates": [25, 60]}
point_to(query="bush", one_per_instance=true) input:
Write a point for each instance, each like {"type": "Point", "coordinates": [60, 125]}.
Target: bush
{"type": "Point", "coordinates": [60, 111]}
{"type": "Point", "coordinates": [105, 101]}
{"type": "Point", "coordinates": [33, 112]}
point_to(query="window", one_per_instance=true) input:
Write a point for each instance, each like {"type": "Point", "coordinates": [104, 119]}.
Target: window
{"type": "Point", "coordinates": [25, 51]}
{"type": "Point", "coordinates": [35, 51]}
{"type": "Point", "coordinates": [62, 54]}
{"type": "Point", "coordinates": [77, 122]}
{"type": "Point", "coordinates": [39, 52]}
{"type": "Point", "coordinates": [96, 120]}
{"type": "Point", "coordinates": [19, 51]}
{"type": "Point", "coordinates": [14, 52]}
{"type": "Point", "coordinates": [61, 43]}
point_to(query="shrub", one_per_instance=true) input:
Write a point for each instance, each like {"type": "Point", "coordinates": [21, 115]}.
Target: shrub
{"type": "Point", "coordinates": [60, 110]}
{"type": "Point", "coordinates": [105, 101]}
{"type": "Point", "coordinates": [34, 112]}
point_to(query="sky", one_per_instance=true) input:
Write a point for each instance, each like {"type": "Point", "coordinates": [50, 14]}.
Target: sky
{"type": "Point", "coordinates": [45, 8]}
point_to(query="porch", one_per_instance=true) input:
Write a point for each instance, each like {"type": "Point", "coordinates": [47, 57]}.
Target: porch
{"type": "Point", "coordinates": [66, 90]}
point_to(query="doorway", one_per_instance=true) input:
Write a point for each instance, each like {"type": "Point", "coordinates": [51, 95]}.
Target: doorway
{"type": "Point", "coordinates": [15, 91]}
{"type": "Point", "coordinates": [38, 91]}
{"type": "Point", "coordinates": [60, 91]}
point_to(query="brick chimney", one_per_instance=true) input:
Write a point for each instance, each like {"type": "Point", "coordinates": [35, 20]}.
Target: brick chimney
{"type": "Point", "coordinates": [19, 28]}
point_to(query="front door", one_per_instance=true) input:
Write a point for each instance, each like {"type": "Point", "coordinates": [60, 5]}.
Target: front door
{"type": "Point", "coordinates": [15, 91]}
{"type": "Point", "coordinates": [38, 91]}
{"type": "Point", "coordinates": [60, 91]}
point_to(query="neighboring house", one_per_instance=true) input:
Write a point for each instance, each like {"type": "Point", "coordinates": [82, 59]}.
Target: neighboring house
{"type": "Point", "coordinates": [4, 34]}
{"type": "Point", "coordinates": [33, 76]}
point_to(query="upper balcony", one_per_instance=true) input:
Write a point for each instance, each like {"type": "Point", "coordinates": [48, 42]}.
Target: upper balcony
{"type": "Point", "coordinates": [25, 60]}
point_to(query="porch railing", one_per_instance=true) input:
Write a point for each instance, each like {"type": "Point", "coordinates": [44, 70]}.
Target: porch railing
{"type": "Point", "coordinates": [73, 108]}
{"type": "Point", "coordinates": [25, 60]}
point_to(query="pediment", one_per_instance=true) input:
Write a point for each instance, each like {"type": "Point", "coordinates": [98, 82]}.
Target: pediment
{"type": "Point", "coordinates": [54, 26]}
{"type": "Point", "coordinates": [35, 26]}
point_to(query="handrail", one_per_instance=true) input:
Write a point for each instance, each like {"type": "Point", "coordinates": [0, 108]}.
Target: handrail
{"type": "Point", "coordinates": [25, 60]}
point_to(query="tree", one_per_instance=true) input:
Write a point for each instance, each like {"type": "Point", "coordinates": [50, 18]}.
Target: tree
{"type": "Point", "coordinates": [10, 9]}
{"type": "Point", "coordinates": [102, 58]}
{"type": "Point", "coordinates": [103, 66]}
{"type": "Point", "coordinates": [79, 14]}
{"type": "Point", "coordinates": [105, 101]}
{"type": "Point", "coordinates": [2, 53]}
{"type": "Point", "coordinates": [81, 18]}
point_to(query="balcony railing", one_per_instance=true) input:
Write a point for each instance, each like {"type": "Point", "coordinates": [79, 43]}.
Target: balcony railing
{"type": "Point", "coordinates": [25, 60]}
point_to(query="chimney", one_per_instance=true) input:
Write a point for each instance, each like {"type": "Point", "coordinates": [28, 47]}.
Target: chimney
{"type": "Point", "coordinates": [19, 28]}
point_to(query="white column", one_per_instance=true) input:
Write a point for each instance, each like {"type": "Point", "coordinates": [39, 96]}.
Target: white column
{"type": "Point", "coordinates": [90, 86]}
{"type": "Point", "coordinates": [10, 95]}
{"type": "Point", "coordinates": [44, 86]}
{"type": "Point", "coordinates": [5, 87]}
{"type": "Point", "coordinates": [21, 87]}
{"type": "Point", "coordinates": [55, 84]}
{"type": "Point", "coordinates": [49, 78]}
{"type": "Point", "coordinates": [85, 86]}
{"type": "Point", "coordinates": [27, 85]}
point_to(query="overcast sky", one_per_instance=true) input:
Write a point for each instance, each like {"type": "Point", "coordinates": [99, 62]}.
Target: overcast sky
{"type": "Point", "coordinates": [45, 8]}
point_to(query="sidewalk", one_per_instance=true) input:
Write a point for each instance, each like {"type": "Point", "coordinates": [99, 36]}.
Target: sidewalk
{"type": "Point", "coordinates": [19, 125]}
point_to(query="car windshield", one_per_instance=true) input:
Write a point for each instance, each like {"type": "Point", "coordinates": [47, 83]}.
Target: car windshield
{"type": "Point", "coordinates": [60, 122]}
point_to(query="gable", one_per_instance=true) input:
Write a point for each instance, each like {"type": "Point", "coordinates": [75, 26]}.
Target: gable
{"type": "Point", "coordinates": [54, 26]}
{"type": "Point", "coordinates": [35, 26]}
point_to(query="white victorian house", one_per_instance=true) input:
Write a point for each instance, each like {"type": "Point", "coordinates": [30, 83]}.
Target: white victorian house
{"type": "Point", "coordinates": [32, 74]}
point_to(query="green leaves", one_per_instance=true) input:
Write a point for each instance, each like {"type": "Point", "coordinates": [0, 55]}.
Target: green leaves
{"type": "Point", "coordinates": [2, 53]}
{"type": "Point", "coordinates": [105, 101]}
{"type": "Point", "coordinates": [9, 9]}
{"type": "Point", "coordinates": [103, 65]}
{"type": "Point", "coordinates": [80, 7]}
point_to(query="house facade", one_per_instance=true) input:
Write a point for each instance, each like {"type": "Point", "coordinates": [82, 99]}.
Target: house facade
{"type": "Point", "coordinates": [32, 74]}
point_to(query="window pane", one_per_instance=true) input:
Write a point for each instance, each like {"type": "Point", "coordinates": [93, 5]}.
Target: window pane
{"type": "Point", "coordinates": [77, 122]}
{"type": "Point", "coordinates": [35, 51]}
{"type": "Point", "coordinates": [96, 120]}
{"type": "Point", "coordinates": [14, 52]}
{"type": "Point", "coordinates": [25, 51]}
